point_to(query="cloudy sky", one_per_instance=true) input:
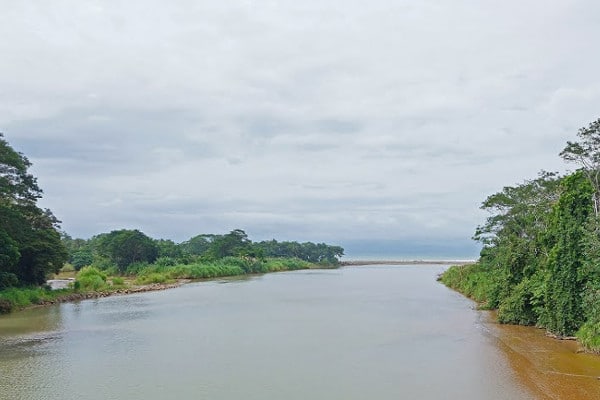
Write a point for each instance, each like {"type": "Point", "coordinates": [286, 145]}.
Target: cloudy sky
{"type": "Point", "coordinates": [330, 120]}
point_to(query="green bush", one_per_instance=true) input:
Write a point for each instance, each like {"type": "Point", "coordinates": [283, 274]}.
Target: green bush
{"type": "Point", "coordinates": [152, 277]}
{"type": "Point", "coordinates": [118, 281]}
{"type": "Point", "coordinates": [165, 261]}
{"type": "Point", "coordinates": [473, 281]}
{"type": "Point", "coordinates": [14, 298]}
{"type": "Point", "coordinates": [91, 279]}
{"type": "Point", "coordinates": [67, 268]}
{"type": "Point", "coordinates": [204, 271]}
{"type": "Point", "coordinates": [7, 280]}
{"type": "Point", "coordinates": [285, 264]}
{"type": "Point", "coordinates": [589, 336]}
{"type": "Point", "coordinates": [517, 308]}
{"type": "Point", "coordinates": [136, 268]}
{"type": "Point", "coordinates": [5, 306]}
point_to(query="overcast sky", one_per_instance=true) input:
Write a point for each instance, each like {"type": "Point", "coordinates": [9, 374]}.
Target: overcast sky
{"type": "Point", "coordinates": [324, 120]}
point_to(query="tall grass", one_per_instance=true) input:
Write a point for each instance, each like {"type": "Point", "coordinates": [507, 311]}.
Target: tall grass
{"type": "Point", "coordinates": [473, 281]}
{"type": "Point", "coordinates": [228, 266]}
{"type": "Point", "coordinates": [15, 298]}
{"type": "Point", "coordinates": [91, 279]}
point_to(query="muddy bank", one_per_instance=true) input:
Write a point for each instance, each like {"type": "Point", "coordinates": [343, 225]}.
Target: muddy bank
{"type": "Point", "coordinates": [75, 296]}
{"type": "Point", "coordinates": [551, 369]}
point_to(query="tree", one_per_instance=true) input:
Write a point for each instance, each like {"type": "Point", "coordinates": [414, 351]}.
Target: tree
{"type": "Point", "coordinates": [168, 248]}
{"type": "Point", "coordinates": [586, 153]}
{"type": "Point", "coordinates": [234, 243]}
{"type": "Point", "coordinates": [81, 258]}
{"type": "Point", "coordinates": [125, 247]}
{"type": "Point", "coordinates": [197, 245]}
{"type": "Point", "coordinates": [17, 185]}
{"type": "Point", "coordinates": [564, 312]}
{"type": "Point", "coordinates": [308, 251]}
{"type": "Point", "coordinates": [516, 246]}
{"type": "Point", "coordinates": [25, 228]}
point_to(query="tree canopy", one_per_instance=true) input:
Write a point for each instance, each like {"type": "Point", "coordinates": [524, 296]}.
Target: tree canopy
{"type": "Point", "coordinates": [30, 245]}
{"type": "Point", "coordinates": [540, 261]}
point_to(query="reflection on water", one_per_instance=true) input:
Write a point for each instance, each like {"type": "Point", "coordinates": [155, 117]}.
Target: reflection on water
{"type": "Point", "coordinates": [376, 332]}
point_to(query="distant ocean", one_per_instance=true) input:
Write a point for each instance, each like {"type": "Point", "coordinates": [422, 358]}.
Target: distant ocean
{"type": "Point", "coordinates": [400, 250]}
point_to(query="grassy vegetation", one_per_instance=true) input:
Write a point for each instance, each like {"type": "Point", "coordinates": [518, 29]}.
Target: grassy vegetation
{"type": "Point", "coordinates": [473, 281]}
{"type": "Point", "coordinates": [15, 298]}
{"type": "Point", "coordinates": [94, 280]}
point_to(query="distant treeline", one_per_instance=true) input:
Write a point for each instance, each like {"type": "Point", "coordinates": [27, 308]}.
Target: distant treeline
{"type": "Point", "coordinates": [540, 261]}
{"type": "Point", "coordinates": [124, 250]}
{"type": "Point", "coordinates": [32, 246]}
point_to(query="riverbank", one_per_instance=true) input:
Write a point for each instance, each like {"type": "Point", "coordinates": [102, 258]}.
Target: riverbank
{"type": "Point", "coordinates": [480, 285]}
{"type": "Point", "coordinates": [16, 299]}
{"type": "Point", "coordinates": [91, 283]}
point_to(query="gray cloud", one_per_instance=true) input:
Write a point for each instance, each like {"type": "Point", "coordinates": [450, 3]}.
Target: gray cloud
{"type": "Point", "coordinates": [331, 120]}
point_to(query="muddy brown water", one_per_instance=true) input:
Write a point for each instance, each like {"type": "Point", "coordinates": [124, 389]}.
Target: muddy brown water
{"type": "Point", "coordinates": [549, 368]}
{"type": "Point", "coordinates": [377, 332]}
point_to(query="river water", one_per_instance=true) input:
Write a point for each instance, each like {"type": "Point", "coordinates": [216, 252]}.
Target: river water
{"type": "Point", "coordinates": [378, 332]}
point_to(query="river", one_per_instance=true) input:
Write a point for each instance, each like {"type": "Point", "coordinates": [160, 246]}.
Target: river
{"type": "Point", "coordinates": [378, 332]}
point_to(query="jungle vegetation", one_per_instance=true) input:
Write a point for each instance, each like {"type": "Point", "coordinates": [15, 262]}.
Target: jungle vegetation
{"type": "Point", "coordinates": [540, 258]}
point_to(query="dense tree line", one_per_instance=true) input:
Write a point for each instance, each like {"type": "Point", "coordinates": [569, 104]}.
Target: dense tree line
{"type": "Point", "coordinates": [122, 249]}
{"type": "Point", "coordinates": [32, 247]}
{"type": "Point", "coordinates": [540, 261]}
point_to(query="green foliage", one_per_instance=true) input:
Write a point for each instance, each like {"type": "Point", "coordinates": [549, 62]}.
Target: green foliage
{"type": "Point", "coordinates": [82, 258]}
{"type": "Point", "coordinates": [589, 333]}
{"type": "Point", "coordinates": [586, 153]}
{"type": "Point", "coordinates": [126, 247]}
{"type": "Point", "coordinates": [136, 268]}
{"type": "Point", "coordinates": [473, 281]}
{"type": "Point", "coordinates": [151, 277]}
{"type": "Point", "coordinates": [540, 262]}
{"type": "Point", "coordinates": [198, 245]}
{"type": "Point", "coordinates": [204, 271]}
{"type": "Point", "coordinates": [563, 312]}
{"type": "Point", "coordinates": [67, 268]}
{"type": "Point", "coordinates": [118, 281]}
{"type": "Point", "coordinates": [168, 249]}
{"type": "Point", "coordinates": [16, 298]}
{"type": "Point", "coordinates": [228, 266]}
{"type": "Point", "coordinates": [166, 261]}
{"type": "Point", "coordinates": [7, 280]}
{"type": "Point", "coordinates": [234, 243]}
{"type": "Point", "coordinates": [286, 264]}
{"type": "Point", "coordinates": [30, 245]}
{"type": "Point", "coordinates": [91, 279]}
{"type": "Point", "coordinates": [314, 253]}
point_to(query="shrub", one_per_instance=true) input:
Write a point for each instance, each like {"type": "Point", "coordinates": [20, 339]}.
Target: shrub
{"type": "Point", "coordinates": [67, 268]}
{"type": "Point", "coordinates": [474, 281]}
{"type": "Point", "coordinates": [589, 336]}
{"type": "Point", "coordinates": [7, 280]}
{"type": "Point", "coordinates": [152, 277]}
{"type": "Point", "coordinates": [91, 279]}
{"type": "Point", "coordinates": [517, 307]}
{"type": "Point", "coordinates": [5, 306]}
{"type": "Point", "coordinates": [165, 261]}
{"type": "Point", "coordinates": [118, 281]}
{"type": "Point", "coordinates": [136, 268]}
